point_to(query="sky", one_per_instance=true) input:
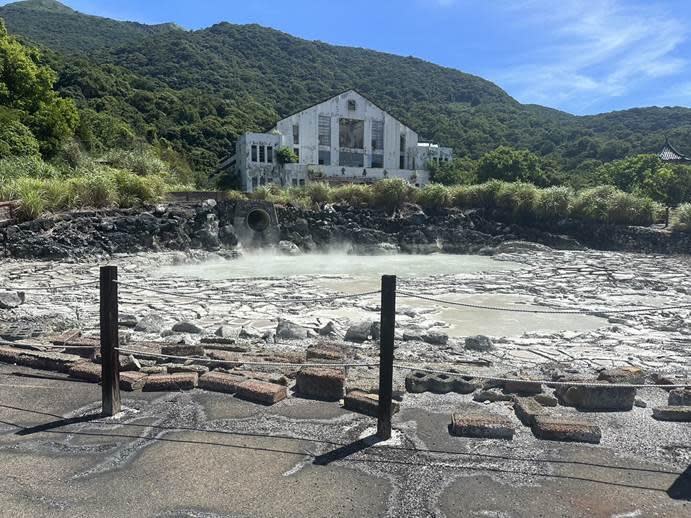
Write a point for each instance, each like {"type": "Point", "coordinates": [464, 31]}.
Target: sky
{"type": "Point", "coordinates": [580, 56]}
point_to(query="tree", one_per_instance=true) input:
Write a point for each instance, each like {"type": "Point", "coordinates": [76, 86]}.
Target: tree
{"type": "Point", "coordinates": [628, 174]}
{"type": "Point", "coordinates": [456, 172]}
{"type": "Point", "coordinates": [16, 139]}
{"type": "Point", "coordinates": [26, 88]}
{"type": "Point", "coordinates": [670, 185]}
{"type": "Point", "coordinates": [511, 165]}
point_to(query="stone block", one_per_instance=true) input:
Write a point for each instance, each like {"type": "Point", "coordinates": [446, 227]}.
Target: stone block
{"type": "Point", "coordinates": [60, 362]}
{"type": "Point", "coordinates": [171, 382]}
{"type": "Point", "coordinates": [479, 343]}
{"type": "Point", "coordinates": [321, 383]}
{"type": "Point", "coordinates": [131, 380]}
{"type": "Point", "coordinates": [183, 350]}
{"type": "Point", "coordinates": [172, 368]}
{"type": "Point", "coordinates": [491, 395]}
{"type": "Point", "coordinates": [417, 382]}
{"type": "Point", "coordinates": [87, 371]}
{"type": "Point", "coordinates": [633, 375]}
{"type": "Point", "coordinates": [261, 392]}
{"type": "Point", "coordinates": [546, 400]}
{"type": "Point", "coordinates": [553, 428]}
{"type": "Point", "coordinates": [527, 409]}
{"type": "Point", "coordinates": [187, 327]}
{"type": "Point", "coordinates": [221, 382]}
{"type": "Point", "coordinates": [522, 388]}
{"type": "Point", "coordinates": [673, 413]}
{"type": "Point", "coordinates": [679, 397]}
{"type": "Point", "coordinates": [597, 397]}
{"type": "Point", "coordinates": [365, 403]}
{"type": "Point", "coordinates": [269, 377]}
{"type": "Point", "coordinates": [484, 426]}
{"type": "Point", "coordinates": [325, 353]}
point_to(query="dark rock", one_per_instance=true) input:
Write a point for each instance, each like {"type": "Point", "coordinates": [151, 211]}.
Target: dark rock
{"type": "Point", "coordinates": [150, 324]}
{"type": "Point", "coordinates": [479, 343]}
{"type": "Point", "coordinates": [291, 331]}
{"type": "Point", "coordinates": [673, 413]}
{"type": "Point", "coordinates": [597, 397]}
{"type": "Point", "coordinates": [633, 375]}
{"type": "Point", "coordinates": [679, 397]}
{"type": "Point", "coordinates": [187, 327]}
{"type": "Point", "coordinates": [360, 332]}
{"type": "Point", "coordinates": [10, 299]}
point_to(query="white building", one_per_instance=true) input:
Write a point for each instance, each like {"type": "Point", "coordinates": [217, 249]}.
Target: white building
{"type": "Point", "coordinates": [346, 138]}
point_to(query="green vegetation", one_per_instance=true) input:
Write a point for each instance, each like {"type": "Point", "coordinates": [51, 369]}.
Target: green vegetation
{"type": "Point", "coordinates": [285, 155]}
{"type": "Point", "coordinates": [682, 218]}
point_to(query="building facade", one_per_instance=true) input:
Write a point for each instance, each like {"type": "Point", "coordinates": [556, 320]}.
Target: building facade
{"type": "Point", "coordinates": [345, 139]}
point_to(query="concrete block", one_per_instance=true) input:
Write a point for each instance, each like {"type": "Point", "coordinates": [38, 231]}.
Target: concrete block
{"type": "Point", "coordinates": [325, 353]}
{"type": "Point", "coordinates": [679, 397]}
{"type": "Point", "coordinates": [633, 375]}
{"type": "Point", "coordinates": [60, 362]}
{"type": "Point", "coordinates": [261, 392]}
{"type": "Point", "coordinates": [365, 403]}
{"type": "Point", "coordinates": [132, 380]}
{"type": "Point", "coordinates": [527, 409]}
{"type": "Point", "coordinates": [321, 383]}
{"type": "Point", "coordinates": [170, 382]}
{"type": "Point", "coordinates": [484, 426]}
{"type": "Point", "coordinates": [673, 413]}
{"type": "Point", "coordinates": [183, 350]}
{"type": "Point", "coordinates": [417, 382]}
{"type": "Point", "coordinates": [491, 396]}
{"type": "Point", "coordinates": [86, 371]}
{"type": "Point", "coordinates": [597, 397]}
{"type": "Point", "coordinates": [522, 388]}
{"type": "Point", "coordinates": [553, 428]}
{"type": "Point", "coordinates": [220, 382]}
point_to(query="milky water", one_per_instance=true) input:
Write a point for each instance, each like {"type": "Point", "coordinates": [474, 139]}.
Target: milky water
{"type": "Point", "coordinates": [346, 273]}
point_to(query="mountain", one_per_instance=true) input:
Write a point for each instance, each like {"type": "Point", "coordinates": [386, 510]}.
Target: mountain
{"type": "Point", "coordinates": [198, 90]}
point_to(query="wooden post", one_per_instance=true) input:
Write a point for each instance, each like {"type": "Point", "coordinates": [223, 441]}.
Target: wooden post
{"type": "Point", "coordinates": [110, 361]}
{"type": "Point", "coordinates": [386, 343]}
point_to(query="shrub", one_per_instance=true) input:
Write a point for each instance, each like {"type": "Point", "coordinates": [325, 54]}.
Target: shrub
{"type": "Point", "coordinates": [133, 190]}
{"type": "Point", "coordinates": [479, 196]}
{"type": "Point", "coordinates": [93, 190]}
{"type": "Point", "coordinates": [319, 192]}
{"type": "Point", "coordinates": [354, 194]}
{"type": "Point", "coordinates": [143, 162]}
{"type": "Point", "coordinates": [392, 193]}
{"type": "Point", "coordinates": [29, 166]}
{"type": "Point", "coordinates": [554, 203]}
{"type": "Point", "coordinates": [32, 205]}
{"type": "Point", "coordinates": [285, 155]}
{"type": "Point", "coordinates": [607, 204]}
{"type": "Point", "coordinates": [593, 204]}
{"type": "Point", "coordinates": [682, 218]}
{"type": "Point", "coordinates": [236, 196]}
{"type": "Point", "coordinates": [434, 196]}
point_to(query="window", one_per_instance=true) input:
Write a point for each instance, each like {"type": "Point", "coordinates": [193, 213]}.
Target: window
{"type": "Point", "coordinates": [402, 142]}
{"type": "Point", "coordinates": [254, 153]}
{"type": "Point", "coordinates": [324, 130]}
{"type": "Point", "coordinates": [262, 154]}
{"type": "Point", "coordinates": [377, 134]}
{"type": "Point", "coordinates": [255, 182]}
{"type": "Point", "coordinates": [351, 133]}
{"type": "Point", "coordinates": [269, 154]}
{"type": "Point", "coordinates": [297, 152]}
{"type": "Point", "coordinates": [351, 105]}
{"type": "Point", "coordinates": [324, 157]}
{"type": "Point", "coordinates": [401, 164]}
{"type": "Point", "coordinates": [302, 182]}
{"type": "Point", "coordinates": [296, 134]}
{"type": "Point", "coordinates": [377, 161]}
{"type": "Point", "coordinates": [350, 159]}
{"type": "Point", "coordinates": [295, 182]}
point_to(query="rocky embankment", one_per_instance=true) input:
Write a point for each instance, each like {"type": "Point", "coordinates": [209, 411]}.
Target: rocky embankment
{"type": "Point", "coordinates": [209, 226]}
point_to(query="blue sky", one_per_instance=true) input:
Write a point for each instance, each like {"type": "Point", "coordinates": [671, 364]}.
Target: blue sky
{"type": "Point", "coordinates": [581, 56]}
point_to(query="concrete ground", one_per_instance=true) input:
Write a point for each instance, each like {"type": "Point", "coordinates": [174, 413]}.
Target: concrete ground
{"type": "Point", "coordinates": [202, 454]}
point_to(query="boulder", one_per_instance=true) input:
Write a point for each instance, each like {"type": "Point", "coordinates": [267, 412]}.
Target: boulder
{"type": "Point", "coordinates": [360, 332]}
{"type": "Point", "coordinates": [491, 395]}
{"type": "Point", "coordinates": [127, 320]}
{"type": "Point", "coordinates": [289, 248]}
{"type": "Point", "coordinates": [597, 397]}
{"type": "Point", "coordinates": [633, 375]}
{"type": "Point", "coordinates": [479, 343]}
{"type": "Point", "coordinates": [291, 331]}
{"type": "Point", "coordinates": [150, 324]}
{"type": "Point", "coordinates": [435, 337]}
{"type": "Point", "coordinates": [679, 397]}
{"type": "Point", "coordinates": [187, 327]}
{"type": "Point", "coordinates": [11, 299]}
{"type": "Point", "coordinates": [228, 332]}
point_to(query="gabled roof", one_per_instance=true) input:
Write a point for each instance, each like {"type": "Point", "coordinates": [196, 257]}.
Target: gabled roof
{"type": "Point", "coordinates": [669, 154]}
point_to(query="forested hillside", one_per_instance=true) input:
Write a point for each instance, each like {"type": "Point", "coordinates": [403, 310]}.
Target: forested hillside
{"type": "Point", "coordinates": [192, 93]}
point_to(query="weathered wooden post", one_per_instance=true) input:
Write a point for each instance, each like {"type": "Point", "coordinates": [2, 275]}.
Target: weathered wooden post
{"type": "Point", "coordinates": [386, 343]}
{"type": "Point", "coordinates": [110, 362]}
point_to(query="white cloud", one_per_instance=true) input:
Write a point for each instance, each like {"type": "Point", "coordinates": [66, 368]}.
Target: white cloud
{"type": "Point", "coordinates": [595, 50]}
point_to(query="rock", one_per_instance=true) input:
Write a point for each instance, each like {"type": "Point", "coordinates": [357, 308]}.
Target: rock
{"type": "Point", "coordinates": [167, 382]}
{"type": "Point", "coordinates": [491, 395]}
{"type": "Point", "coordinates": [172, 368]}
{"type": "Point", "coordinates": [565, 429]}
{"type": "Point", "coordinates": [183, 350]}
{"type": "Point", "coordinates": [522, 388]}
{"type": "Point", "coordinates": [321, 383]}
{"type": "Point", "coordinates": [640, 403]}
{"type": "Point", "coordinates": [228, 332]}
{"type": "Point", "coordinates": [127, 320]}
{"type": "Point", "coordinates": [661, 379]}
{"type": "Point", "coordinates": [290, 331]}
{"type": "Point", "coordinates": [156, 369]}
{"type": "Point", "coordinates": [228, 236]}
{"type": "Point", "coordinates": [479, 343]}
{"type": "Point", "coordinates": [673, 413]}
{"type": "Point", "coordinates": [131, 381]}
{"type": "Point", "coordinates": [632, 375]}
{"type": "Point", "coordinates": [86, 371]}
{"type": "Point", "coordinates": [11, 299]}
{"type": "Point", "coordinates": [220, 382]}
{"type": "Point", "coordinates": [261, 392]}
{"type": "Point", "coordinates": [527, 409]}
{"type": "Point", "coordinates": [250, 332]}
{"type": "Point", "coordinates": [679, 397]}
{"type": "Point", "coordinates": [289, 248]}
{"type": "Point", "coordinates": [365, 403]}
{"type": "Point", "coordinates": [325, 352]}
{"type": "Point", "coordinates": [359, 332]}
{"type": "Point", "coordinates": [187, 327]}
{"type": "Point", "coordinates": [150, 324]}
{"type": "Point", "coordinates": [328, 329]}
{"type": "Point", "coordinates": [597, 397]}
{"type": "Point", "coordinates": [546, 400]}
{"type": "Point", "coordinates": [435, 337]}
{"type": "Point", "coordinates": [486, 426]}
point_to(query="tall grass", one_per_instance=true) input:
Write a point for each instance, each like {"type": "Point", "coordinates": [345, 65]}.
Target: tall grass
{"type": "Point", "coordinates": [682, 218]}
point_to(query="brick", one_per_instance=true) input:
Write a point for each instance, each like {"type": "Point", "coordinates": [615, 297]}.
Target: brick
{"type": "Point", "coordinates": [484, 426]}
{"type": "Point", "coordinates": [552, 428]}
{"type": "Point", "coordinates": [321, 383]}
{"type": "Point", "coordinates": [365, 403]}
{"type": "Point", "coordinates": [269, 377]}
{"type": "Point", "coordinates": [527, 409]}
{"type": "Point", "coordinates": [86, 371]}
{"type": "Point", "coordinates": [172, 368]}
{"type": "Point", "coordinates": [673, 413]}
{"type": "Point", "coordinates": [131, 380]}
{"type": "Point", "coordinates": [220, 382]}
{"type": "Point", "coordinates": [523, 388]}
{"type": "Point", "coordinates": [325, 353]}
{"type": "Point", "coordinates": [183, 350]}
{"type": "Point", "coordinates": [51, 361]}
{"type": "Point", "coordinates": [165, 382]}
{"type": "Point", "coordinates": [261, 392]}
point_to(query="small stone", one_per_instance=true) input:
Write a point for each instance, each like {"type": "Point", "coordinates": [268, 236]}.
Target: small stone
{"type": "Point", "coordinates": [261, 392]}
{"type": "Point", "coordinates": [673, 413]}
{"type": "Point", "coordinates": [321, 383]}
{"type": "Point", "coordinates": [183, 350]}
{"type": "Point", "coordinates": [127, 320]}
{"type": "Point", "coordinates": [11, 299]}
{"type": "Point", "coordinates": [487, 426]}
{"type": "Point", "coordinates": [546, 400]}
{"type": "Point", "coordinates": [491, 395]}
{"type": "Point", "coordinates": [679, 397]}
{"type": "Point", "coordinates": [86, 371]}
{"type": "Point", "coordinates": [328, 329]}
{"type": "Point", "coordinates": [187, 327]}
{"type": "Point", "coordinates": [150, 324]}
{"type": "Point", "coordinates": [220, 382]}
{"type": "Point", "coordinates": [131, 380]}
{"type": "Point", "coordinates": [365, 403]}
{"type": "Point", "coordinates": [565, 429]}
{"type": "Point", "coordinates": [640, 403]}
{"type": "Point", "coordinates": [228, 332]}
{"type": "Point", "coordinates": [435, 337]}
{"type": "Point", "coordinates": [527, 409]}
{"type": "Point", "coordinates": [289, 248]}
{"type": "Point", "coordinates": [167, 382]}
{"type": "Point", "coordinates": [479, 343]}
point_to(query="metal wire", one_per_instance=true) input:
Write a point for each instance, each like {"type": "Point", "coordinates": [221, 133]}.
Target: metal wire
{"type": "Point", "coordinates": [547, 311]}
